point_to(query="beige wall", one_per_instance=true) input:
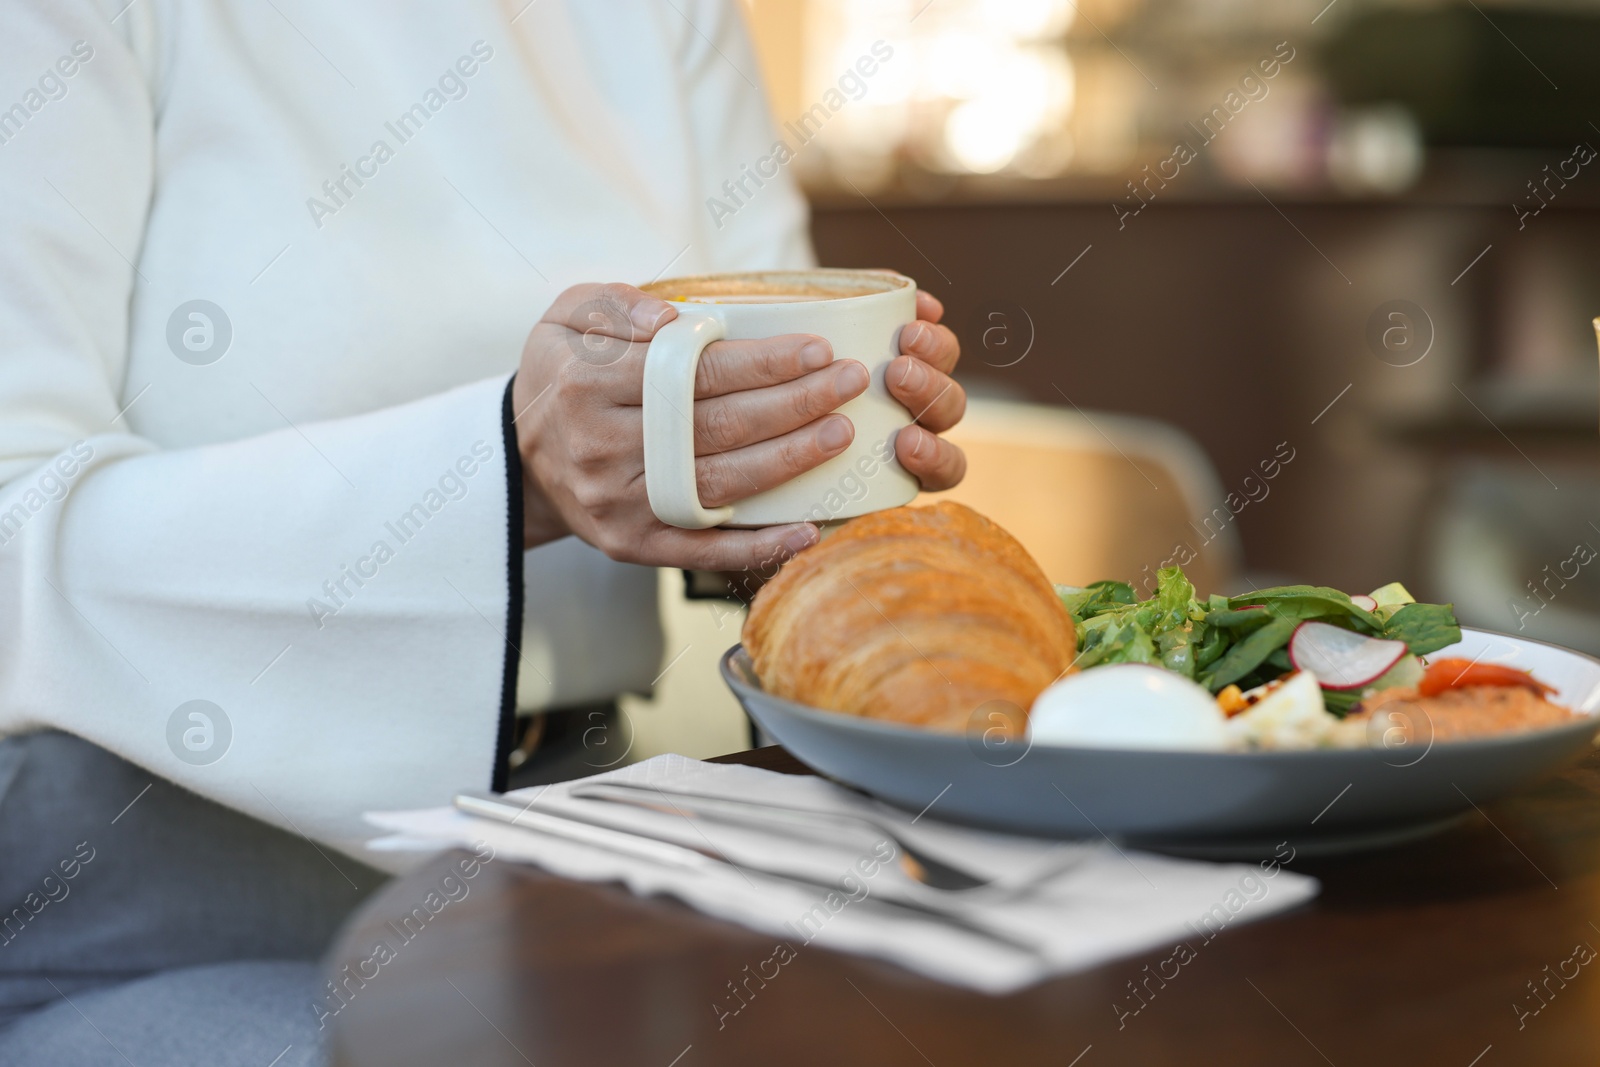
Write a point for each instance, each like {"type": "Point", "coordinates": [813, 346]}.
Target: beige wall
{"type": "Point", "coordinates": [779, 28]}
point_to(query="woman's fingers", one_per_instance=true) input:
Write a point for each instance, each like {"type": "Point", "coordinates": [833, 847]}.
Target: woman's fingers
{"type": "Point", "coordinates": [729, 476]}
{"type": "Point", "coordinates": [725, 366]}
{"type": "Point", "coordinates": [928, 307]}
{"type": "Point", "coordinates": [762, 551]}
{"type": "Point", "coordinates": [734, 366]}
{"type": "Point", "coordinates": [935, 462]}
{"type": "Point", "coordinates": [612, 310]}
{"type": "Point", "coordinates": [934, 399]}
{"type": "Point", "coordinates": [724, 423]}
{"type": "Point", "coordinates": [605, 329]}
{"type": "Point", "coordinates": [935, 345]}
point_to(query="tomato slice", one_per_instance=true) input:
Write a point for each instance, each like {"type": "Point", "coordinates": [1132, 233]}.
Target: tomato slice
{"type": "Point", "coordinates": [1452, 673]}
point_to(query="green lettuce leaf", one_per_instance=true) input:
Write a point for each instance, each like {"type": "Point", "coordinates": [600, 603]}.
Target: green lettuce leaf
{"type": "Point", "coordinates": [1112, 639]}
{"type": "Point", "coordinates": [1173, 627]}
{"type": "Point", "coordinates": [1174, 596]}
{"type": "Point", "coordinates": [1095, 598]}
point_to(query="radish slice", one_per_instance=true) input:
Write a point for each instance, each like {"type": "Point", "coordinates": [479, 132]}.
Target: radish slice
{"type": "Point", "coordinates": [1340, 658]}
{"type": "Point", "coordinates": [1365, 603]}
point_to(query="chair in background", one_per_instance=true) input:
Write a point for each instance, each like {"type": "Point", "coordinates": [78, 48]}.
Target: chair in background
{"type": "Point", "coordinates": [1095, 496]}
{"type": "Point", "coordinates": [1091, 496]}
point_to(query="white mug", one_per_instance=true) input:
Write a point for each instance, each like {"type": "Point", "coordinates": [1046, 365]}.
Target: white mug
{"type": "Point", "coordinates": [859, 312]}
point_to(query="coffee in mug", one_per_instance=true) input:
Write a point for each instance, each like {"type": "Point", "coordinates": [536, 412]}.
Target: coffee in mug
{"type": "Point", "coordinates": [746, 289]}
{"type": "Point", "coordinates": [859, 312]}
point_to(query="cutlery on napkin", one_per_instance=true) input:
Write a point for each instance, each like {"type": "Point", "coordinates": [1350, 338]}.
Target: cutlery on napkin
{"type": "Point", "coordinates": [1052, 907]}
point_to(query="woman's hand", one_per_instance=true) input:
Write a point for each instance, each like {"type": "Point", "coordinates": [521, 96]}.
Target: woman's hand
{"type": "Point", "coordinates": [761, 417]}
{"type": "Point", "coordinates": [920, 379]}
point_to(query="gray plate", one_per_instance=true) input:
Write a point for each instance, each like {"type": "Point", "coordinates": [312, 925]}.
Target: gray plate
{"type": "Point", "coordinates": [1201, 803]}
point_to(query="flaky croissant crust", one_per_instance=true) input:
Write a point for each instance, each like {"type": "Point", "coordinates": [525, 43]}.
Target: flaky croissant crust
{"type": "Point", "coordinates": [932, 616]}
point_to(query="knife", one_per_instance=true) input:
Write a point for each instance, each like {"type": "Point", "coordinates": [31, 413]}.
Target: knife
{"type": "Point", "coordinates": [573, 827]}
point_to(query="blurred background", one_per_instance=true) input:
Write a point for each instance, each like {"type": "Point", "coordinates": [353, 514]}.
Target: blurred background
{"type": "Point", "coordinates": [1360, 234]}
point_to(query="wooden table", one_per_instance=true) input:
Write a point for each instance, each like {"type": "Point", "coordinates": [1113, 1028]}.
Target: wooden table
{"type": "Point", "coordinates": [1420, 954]}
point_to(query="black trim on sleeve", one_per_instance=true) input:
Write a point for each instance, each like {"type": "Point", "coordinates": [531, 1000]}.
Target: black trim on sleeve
{"type": "Point", "coordinates": [514, 527]}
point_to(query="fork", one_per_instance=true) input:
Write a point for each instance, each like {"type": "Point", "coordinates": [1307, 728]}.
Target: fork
{"type": "Point", "coordinates": [574, 827]}
{"type": "Point", "coordinates": [916, 863]}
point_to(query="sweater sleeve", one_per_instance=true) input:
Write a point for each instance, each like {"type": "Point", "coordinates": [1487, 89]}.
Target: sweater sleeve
{"type": "Point", "coordinates": [302, 624]}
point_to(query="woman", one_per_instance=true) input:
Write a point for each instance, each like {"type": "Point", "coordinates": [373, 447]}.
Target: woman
{"type": "Point", "coordinates": [269, 477]}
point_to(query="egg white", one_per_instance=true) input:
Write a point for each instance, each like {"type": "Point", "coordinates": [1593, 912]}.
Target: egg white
{"type": "Point", "coordinates": [1127, 705]}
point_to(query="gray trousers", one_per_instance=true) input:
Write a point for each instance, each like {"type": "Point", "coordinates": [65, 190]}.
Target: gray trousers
{"type": "Point", "coordinates": [142, 925]}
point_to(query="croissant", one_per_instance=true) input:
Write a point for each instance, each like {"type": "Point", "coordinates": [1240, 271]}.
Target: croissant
{"type": "Point", "coordinates": [926, 616]}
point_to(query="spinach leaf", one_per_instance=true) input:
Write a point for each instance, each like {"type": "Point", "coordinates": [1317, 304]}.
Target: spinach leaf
{"type": "Point", "coordinates": [1247, 655]}
{"type": "Point", "coordinates": [1239, 619]}
{"type": "Point", "coordinates": [1340, 701]}
{"type": "Point", "coordinates": [1424, 628]}
{"type": "Point", "coordinates": [1310, 602]}
{"type": "Point", "coordinates": [1212, 646]}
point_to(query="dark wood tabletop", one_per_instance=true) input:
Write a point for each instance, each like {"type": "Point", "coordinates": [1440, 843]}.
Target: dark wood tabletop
{"type": "Point", "coordinates": [1471, 948]}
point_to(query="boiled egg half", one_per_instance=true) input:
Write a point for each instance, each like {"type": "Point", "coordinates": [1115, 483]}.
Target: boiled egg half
{"type": "Point", "coordinates": [1284, 714]}
{"type": "Point", "coordinates": [1127, 705]}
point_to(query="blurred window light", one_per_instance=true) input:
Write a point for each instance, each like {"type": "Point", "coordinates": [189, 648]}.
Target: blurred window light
{"type": "Point", "coordinates": [1278, 142]}
{"type": "Point", "coordinates": [1375, 150]}
{"type": "Point", "coordinates": [1020, 101]}
{"type": "Point", "coordinates": [975, 86]}
{"type": "Point", "coordinates": [1030, 20]}
{"type": "Point", "coordinates": [979, 137]}
{"type": "Point", "coordinates": [1068, 89]}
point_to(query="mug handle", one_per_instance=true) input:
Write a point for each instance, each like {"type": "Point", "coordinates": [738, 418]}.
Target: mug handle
{"type": "Point", "coordinates": [670, 364]}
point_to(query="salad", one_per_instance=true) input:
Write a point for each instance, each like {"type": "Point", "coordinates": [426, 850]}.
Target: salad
{"type": "Point", "coordinates": [1294, 666]}
{"type": "Point", "coordinates": [1231, 645]}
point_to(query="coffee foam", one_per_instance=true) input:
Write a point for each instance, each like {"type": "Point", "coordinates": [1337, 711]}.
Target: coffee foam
{"type": "Point", "coordinates": [755, 290]}
{"type": "Point", "coordinates": [749, 298]}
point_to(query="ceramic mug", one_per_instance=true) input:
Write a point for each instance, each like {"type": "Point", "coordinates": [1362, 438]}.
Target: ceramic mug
{"type": "Point", "coordinates": [859, 312]}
